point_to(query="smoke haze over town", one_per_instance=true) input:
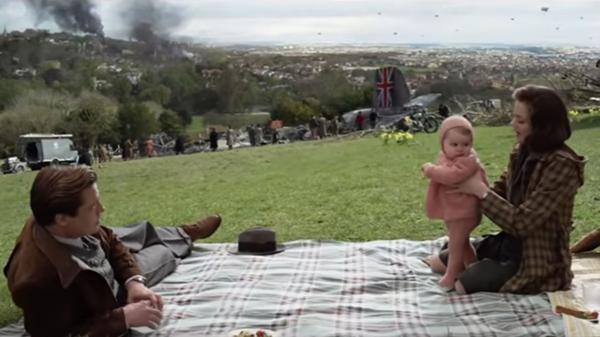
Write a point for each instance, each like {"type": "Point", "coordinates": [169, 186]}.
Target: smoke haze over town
{"type": "Point", "coordinates": [575, 22]}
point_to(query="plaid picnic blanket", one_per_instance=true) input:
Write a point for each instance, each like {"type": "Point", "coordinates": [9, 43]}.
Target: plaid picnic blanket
{"type": "Point", "coordinates": [337, 289]}
{"type": "Point", "coordinates": [586, 268]}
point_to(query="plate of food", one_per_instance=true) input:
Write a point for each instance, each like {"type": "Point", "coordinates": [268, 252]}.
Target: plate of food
{"type": "Point", "coordinates": [252, 333]}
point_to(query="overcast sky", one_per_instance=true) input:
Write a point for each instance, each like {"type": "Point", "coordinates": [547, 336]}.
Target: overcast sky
{"type": "Point", "coordinates": [356, 21]}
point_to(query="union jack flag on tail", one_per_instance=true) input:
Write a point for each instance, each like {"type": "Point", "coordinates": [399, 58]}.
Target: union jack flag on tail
{"type": "Point", "coordinates": [391, 91]}
{"type": "Point", "coordinates": [385, 84]}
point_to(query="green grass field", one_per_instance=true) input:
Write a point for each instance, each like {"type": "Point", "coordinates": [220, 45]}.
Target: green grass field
{"type": "Point", "coordinates": [344, 189]}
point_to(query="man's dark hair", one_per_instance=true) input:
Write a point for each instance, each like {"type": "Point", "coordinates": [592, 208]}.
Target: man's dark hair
{"type": "Point", "coordinates": [550, 126]}
{"type": "Point", "coordinates": [58, 190]}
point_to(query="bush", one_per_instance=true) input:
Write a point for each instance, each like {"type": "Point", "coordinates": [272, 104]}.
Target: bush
{"type": "Point", "coordinates": [93, 118]}
{"type": "Point", "coordinates": [170, 123]}
{"type": "Point", "coordinates": [9, 91]}
{"type": "Point", "coordinates": [293, 111]}
{"type": "Point", "coordinates": [35, 111]}
{"type": "Point", "coordinates": [136, 121]}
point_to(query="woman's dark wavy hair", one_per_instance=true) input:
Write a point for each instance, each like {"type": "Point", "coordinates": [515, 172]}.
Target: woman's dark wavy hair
{"type": "Point", "coordinates": [550, 126]}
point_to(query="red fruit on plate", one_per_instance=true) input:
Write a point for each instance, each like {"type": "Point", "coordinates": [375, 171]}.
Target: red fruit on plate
{"type": "Point", "coordinates": [260, 333]}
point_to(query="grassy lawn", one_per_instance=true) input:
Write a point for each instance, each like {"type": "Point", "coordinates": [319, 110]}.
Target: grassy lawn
{"type": "Point", "coordinates": [346, 189]}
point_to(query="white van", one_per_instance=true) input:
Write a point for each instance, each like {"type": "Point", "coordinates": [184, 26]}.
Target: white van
{"type": "Point", "coordinates": [40, 150]}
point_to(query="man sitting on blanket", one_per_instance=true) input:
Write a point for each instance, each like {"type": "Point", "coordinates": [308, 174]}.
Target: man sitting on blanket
{"type": "Point", "coordinates": [74, 277]}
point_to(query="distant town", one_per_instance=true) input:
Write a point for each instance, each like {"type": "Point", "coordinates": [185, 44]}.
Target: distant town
{"type": "Point", "coordinates": [159, 85]}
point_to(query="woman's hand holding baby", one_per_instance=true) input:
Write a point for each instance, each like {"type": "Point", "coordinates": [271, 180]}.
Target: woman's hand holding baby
{"type": "Point", "coordinates": [473, 186]}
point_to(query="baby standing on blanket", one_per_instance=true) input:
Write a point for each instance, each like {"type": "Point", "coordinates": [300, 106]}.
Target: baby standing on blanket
{"type": "Point", "coordinates": [456, 162]}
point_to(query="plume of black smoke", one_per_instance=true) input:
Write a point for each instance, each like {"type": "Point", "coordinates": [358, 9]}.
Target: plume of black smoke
{"type": "Point", "coordinates": [70, 15]}
{"type": "Point", "coordinates": [151, 22]}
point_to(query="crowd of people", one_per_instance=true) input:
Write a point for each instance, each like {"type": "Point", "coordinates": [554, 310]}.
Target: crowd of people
{"type": "Point", "coordinates": [318, 127]}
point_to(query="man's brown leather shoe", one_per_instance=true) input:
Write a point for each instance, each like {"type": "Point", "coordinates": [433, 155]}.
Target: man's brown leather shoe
{"type": "Point", "coordinates": [589, 242]}
{"type": "Point", "coordinates": [203, 228]}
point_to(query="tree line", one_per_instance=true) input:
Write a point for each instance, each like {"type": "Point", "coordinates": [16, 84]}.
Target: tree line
{"type": "Point", "coordinates": [111, 107]}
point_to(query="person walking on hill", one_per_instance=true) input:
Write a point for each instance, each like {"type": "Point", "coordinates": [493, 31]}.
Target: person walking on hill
{"type": "Point", "coordinates": [213, 138]}
{"type": "Point", "coordinates": [360, 120]}
{"type": "Point", "coordinates": [443, 110]}
{"type": "Point", "coordinates": [322, 126]}
{"type": "Point", "coordinates": [313, 124]}
{"type": "Point", "coordinates": [251, 135]}
{"type": "Point", "coordinates": [335, 126]}
{"type": "Point", "coordinates": [229, 135]}
{"type": "Point", "coordinates": [149, 148]}
{"type": "Point", "coordinates": [179, 145]}
{"type": "Point", "coordinates": [373, 118]}
{"type": "Point", "coordinates": [259, 135]}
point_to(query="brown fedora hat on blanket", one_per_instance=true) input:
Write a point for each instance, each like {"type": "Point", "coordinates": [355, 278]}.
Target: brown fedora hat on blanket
{"type": "Point", "coordinates": [257, 241]}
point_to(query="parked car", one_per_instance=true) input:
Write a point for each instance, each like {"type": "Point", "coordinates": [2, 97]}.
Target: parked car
{"type": "Point", "coordinates": [13, 165]}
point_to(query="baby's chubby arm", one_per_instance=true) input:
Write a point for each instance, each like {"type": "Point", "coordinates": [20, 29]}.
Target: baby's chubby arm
{"type": "Point", "coordinates": [460, 170]}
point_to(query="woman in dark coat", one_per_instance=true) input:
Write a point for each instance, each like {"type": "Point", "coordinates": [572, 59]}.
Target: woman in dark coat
{"type": "Point", "coordinates": [532, 203]}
